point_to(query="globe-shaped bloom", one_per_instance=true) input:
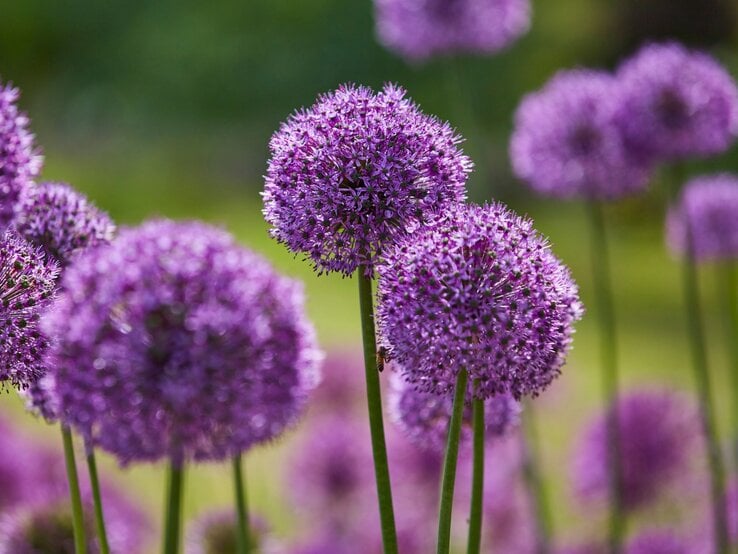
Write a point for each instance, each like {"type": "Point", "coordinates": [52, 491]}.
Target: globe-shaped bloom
{"type": "Point", "coordinates": [566, 142]}
{"type": "Point", "coordinates": [478, 290]}
{"type": "Point", "coordinates": [658, 542]}
{"type": "Point", "coordinates": [215, 532]}
{"type": "Point", "coordinates": [706, 218]}
{"type": "Point", "coordinates": [20, 160]}
{"type": "Point", "coordinates": [27, 286]}
{"type": "Point", "coordinates": [357, 170]}
{"type": "Point", "coordinates": [676, 103]}
{"type": "Point", "coordinates": [658, 431]}
{"type": "Point", "coordinates": [176, 342]}
{"type": "Point", "coordinates": [421, 29]}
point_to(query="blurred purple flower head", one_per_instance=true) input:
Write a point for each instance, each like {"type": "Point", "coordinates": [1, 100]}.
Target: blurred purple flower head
{"type": "Point", "coordinates": [176, 342]}
{"type": "Point", "coordinates": [566, 143]}
{"type": "Point", "coordinates": [40, 397]}
{"type": "Point", "coordinates": [658, 431]}
{"type": "Point", "coordinates": [658, 542]}
{"type": "Point", "coordinates": [355, 171]}
{"type": "Point", "coordinates": [215, 532]}
{"type": "Point", "coordinates": [342, 386]}
{"type": "Point", "coordinates": [325, 545]}
{"type": "Point", "coordinates": [707, 217]}
{"type": "Point", "coordinates": [20, 160]}
{"type": "Point", "coordinates": [585, 548]}
{"type": "Point", "coordinates": [421, 29]}
{"type": "Point", "coordinates": [62, 221]}
{"type": "Point", "coordinates": [478, 290]}
{"type": "Point", "coordinates": [676, 103]}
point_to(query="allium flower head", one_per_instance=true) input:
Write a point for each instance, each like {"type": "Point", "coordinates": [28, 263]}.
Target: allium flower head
{"type": "Point", "coordinates": [421, 29]}
{"type": "Point", "coordinates": [707, 218]}
{"type": "Point", "coordinates": [215, 533]}
{"type": "Point", "coordinates": [20, 160]}
{"type": "Point", "coordinates": [176, 342]}
{"type": "Point", "coordinates": [357, 170]}
{"type": "Point", "coordinates": [658, 542]}
{"type": "Point", "coordinates": [566, 143]}
{"type": "Point", "coordinates": [657, 431]}
{"type": "Point", "coordinates": [478, 290]}
{"type": "Point", "coordinates": [677, 103]}
{"type": "Point", "coordinates": [27, 286]}
{"type": "Point", "coordinates": [62, 221]}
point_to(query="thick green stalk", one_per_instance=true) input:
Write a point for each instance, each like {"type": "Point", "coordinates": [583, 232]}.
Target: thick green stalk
{"type": "Point", "coordinates": [534, 482]}
{"type": "Point", "coordinates": [376, 424]}
{"type": "Point", "coordinates": [102, 534]}
{"type": "Point", "coordinates": [475, 512]}
{"type": "Point", "coordinates": [78, 519]}
{"type": "Point", "coordinates": [243, 544]}
{"type": "Point", "coordinates": [449, 465]}
{"type": "Point", "coordinates": [729, 296]}
{"type": "Point", "coordinates": [173, 516]}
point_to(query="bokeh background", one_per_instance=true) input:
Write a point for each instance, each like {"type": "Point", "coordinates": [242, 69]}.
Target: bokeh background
{"type": "Point", "coordinates": [165, 109]}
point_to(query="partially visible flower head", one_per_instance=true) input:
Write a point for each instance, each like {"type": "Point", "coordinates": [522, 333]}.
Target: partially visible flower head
{"type": "Point", "coordinates": [677, 103]}
{"type": "Point", "coordinates": [658, 542]}
{"type": "Point", "coordinates": [342, 386]}
{"type": "Point", "coordinates": [657, 431]}
{"type": "Point", "coordinates": [20, 160]}
{"type": "Point", "coordinates": [62, 221]}
{"type": "Point", "coordinates": [421, 29]}
{"type": "Point", "coordinates": [706, 217]}
{"type": "Point", "coordinates": [355, 171]}
{"type": "Point", "coordinates": [566, 143]}
{"type": "Point", "coordinates": [215, 533]}
{"type": "Point", "coordinates": [27, 286]}
{"type": "Point", "coordinates": [478, 290]}
{"type": "Point", "coordinates": [40, 397]}
{"type": "Point", "coordinates": [176, 342]}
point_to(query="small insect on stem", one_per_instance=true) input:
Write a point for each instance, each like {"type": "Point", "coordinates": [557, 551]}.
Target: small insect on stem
{"type": "Point", "coordinates": [381, 358]}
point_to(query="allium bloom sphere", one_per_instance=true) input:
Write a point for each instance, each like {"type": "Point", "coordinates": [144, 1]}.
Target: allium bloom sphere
{"type": "Point", "coordinates": [657, 431]}
{"type": "Point", "coordinates": [676, 103]}
{"type": "Point", "coordinates": [62, 221]}
{"type": "Point", "coordinates": [420, 29]}
{"type": "Point", "coordinates": [706, 217]}
{"type": "Point", "coordinates": [20, 161]}
{"type": "Point", "coordinates": [478, 290]}
{"type": "Point", "coordinates": [357, 170]}
{"type": "Point", "coordinates": [175, 342]}
{"type": "Point", "coordinates": [566, 143]}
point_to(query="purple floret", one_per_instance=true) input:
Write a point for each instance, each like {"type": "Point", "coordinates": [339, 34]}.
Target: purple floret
{"type": "Point", "coordinates": [479, 290]}
{"type": "Point", "coordinates": [357, 170]}
{"type": "Point", "coordinates": [175, 342]}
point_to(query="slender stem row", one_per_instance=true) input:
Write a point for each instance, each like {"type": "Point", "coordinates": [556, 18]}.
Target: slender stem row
{"type": "Point", "coordinates": [78, 521]}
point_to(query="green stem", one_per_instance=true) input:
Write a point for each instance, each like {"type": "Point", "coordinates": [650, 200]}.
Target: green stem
{"type": "Point", "coordinates": [376, 425]}
{"type": "Point", "coordinates": [449, 465]}
{"type": "Point", "coordinates": [601, 274]}
{"type": "Point", "coordinates": [102, 534]}
{"type": "Point", "coordinates": [475, 513]}
{"type": "Point", "coordinates": [242, 538]}
{"type": "Point", "coordinates": [78, 521]}
{"type": "Point", "coordinates": [173, 516]}
{"type": "Point", "coordinates": [534, 483]}
{"type": "Point", "coordinates": [729, 296]}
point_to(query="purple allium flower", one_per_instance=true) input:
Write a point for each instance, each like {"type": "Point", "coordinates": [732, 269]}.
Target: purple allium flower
{"type": "Point", "coordinates": [676, 103]}
{"type": "Point", "coordinates": [424, 417]}
{"type": "Point", "coordinates": [708, 207]}
{"type": "Point", "coordinates": [566, 143]}
{"type": "Point", "coordinates": [27, 286]}
{"type": "Point", "coordinates": [20, 160]}
{"type": "Point", "coordinates": [176, 342]}
{"type": "Point", "coordinates": [479, 290]}
{"type": "Point", "coordinates": [342, 386]}
{"type": "Point", "coordinates": [62, 221]}
{"type": "Point", "coordinates": [658, 431]}
{"type": "Point", "coordinates": [421, 29]}
{"type": "Point", "coordinates": [215, 532]}
{"type": "Point", "coordinates": [658, 542]}
{"type": "Point", "coordinates": [40, 397]}
{"type": "Point", "coordinates": [357, 170]}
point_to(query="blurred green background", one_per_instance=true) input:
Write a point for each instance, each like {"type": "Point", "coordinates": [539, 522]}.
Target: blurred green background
{"type": "Point", "coordinates": [165, 108]}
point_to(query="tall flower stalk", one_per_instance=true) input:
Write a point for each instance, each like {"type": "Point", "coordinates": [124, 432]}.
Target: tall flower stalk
{"type": "Point", "coordinates": [243, 539]}
{"type": "Point", "coordinates": [474, 542]}
{"type": "Point", "coordinates": [102, 534]}
{"type": "Point", "coordinates": [729, 295]}
{"type": "Point", "coordinates": [78, 519]}
{"type": "Point", "coordinates": [534, 480]}
{"type": "Point", "coordinates": [173, 509]}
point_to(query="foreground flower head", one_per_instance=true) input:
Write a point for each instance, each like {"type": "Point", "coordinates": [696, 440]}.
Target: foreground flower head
{"type": "Point", "coordinates": [658, 542]}
{"type": "Point", "coordinates": [20, 161]}
{"type": "Point", "coordinates": [176, 342]}
{"type": "Point", "coordinates": [566, 143]}
{"type": "Point", "coordinates": [215, 532]}
{"type": "Point", "coordinates": [479, 290]}
{"type": "Point", "coordinates": [357, 170]}
{"type": "Point", "coordinates": [706, 217]}
{"type": "Point", "coordinates": [677, 103]}
{"type": "Point", "coordinates": [420, 29]}
{"type": "Point", "coordinates": [657, 431]}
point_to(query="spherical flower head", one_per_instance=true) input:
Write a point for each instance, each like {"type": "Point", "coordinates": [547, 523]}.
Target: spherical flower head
{"type": "Point", "coordinates": [215, 533]}
{"type": "Point", "coordinates": [566, 143]}
{"type": "Point", "coordinates": [27, 286]}
{"type": "Point", "coordinates": [676, 103]}
{"type": "Point", "coordinates": [421, 29]}
{"type": "Point", "coordinates": [20, 160]}
{"type": "Point", "coordinates": [62, 221]}
{"type": "Point", "coordinates": [657, 431]}
{"type": "Point", "coordinates": [658, 542]}
{"type": "Point", "coordinates": [478, 290]}
{"type": "Point", "coordinates": [174, 341]}
{"type": "Point", "coordinates": [355, 171]}
{"type": "Point", "coordinates": [706, 219]}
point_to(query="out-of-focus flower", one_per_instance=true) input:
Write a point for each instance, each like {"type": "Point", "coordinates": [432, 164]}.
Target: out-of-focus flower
{"type": "Point", "coordinates": [215, 533]}
{"type": "Point", "coordinates": [658, 542]}
{"type": "Point", "coordinates": [342, 386]}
